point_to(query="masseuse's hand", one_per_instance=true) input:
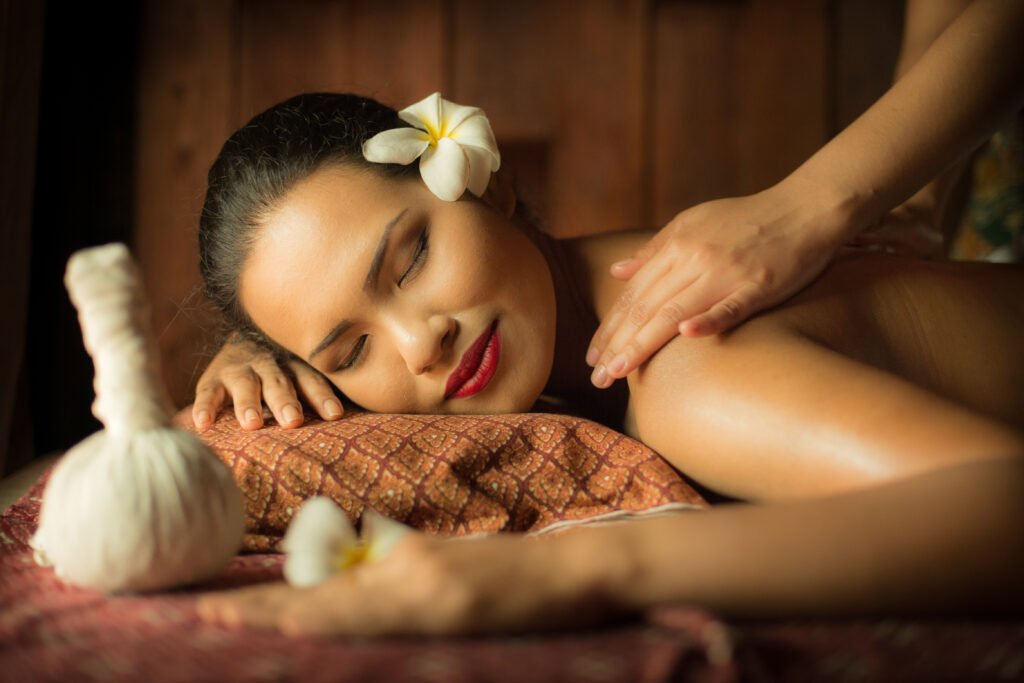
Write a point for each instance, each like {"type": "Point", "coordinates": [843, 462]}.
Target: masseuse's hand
{"type": "Point", "coordinates": [712, 267]}
{"type": "Point", "coordinates": [248, 376]}
{"type": "Point", "coordinates": [428, 586]}
{"type": "Point", "coordinates": [907, 230]}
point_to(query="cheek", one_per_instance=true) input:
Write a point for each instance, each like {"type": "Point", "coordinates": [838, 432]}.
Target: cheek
{"type": "Point", "coordinates": [466, 278]}
{"type": "Point", "coordinates": [380, 387]}
{"type": "Point", "coordinates": [484, 267]}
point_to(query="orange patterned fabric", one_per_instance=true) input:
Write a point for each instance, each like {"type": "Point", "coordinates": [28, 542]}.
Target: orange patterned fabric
{"type": "Point", "coordinates": [445, 474]}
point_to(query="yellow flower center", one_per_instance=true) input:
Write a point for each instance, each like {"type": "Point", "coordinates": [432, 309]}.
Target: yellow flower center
{"type": "Point", "coordinates": [436, 133]}
{"type": "Point", "coordinates": [349, 557]}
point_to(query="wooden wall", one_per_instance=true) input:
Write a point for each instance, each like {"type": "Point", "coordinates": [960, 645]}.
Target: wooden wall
{"type": "Point", "coordinates": [615, 113]}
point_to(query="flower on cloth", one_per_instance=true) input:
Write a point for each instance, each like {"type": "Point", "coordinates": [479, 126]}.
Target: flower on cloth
{"type": "Point", "coordinates": [455, 146]}
{"type": "Point", "coordinates": [321, 541]}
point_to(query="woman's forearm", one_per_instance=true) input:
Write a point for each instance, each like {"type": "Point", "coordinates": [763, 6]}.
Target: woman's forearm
{"type": "Point", "coordinates": [947, 541]}
{"type": "Point", "coordinates": [969, 80]}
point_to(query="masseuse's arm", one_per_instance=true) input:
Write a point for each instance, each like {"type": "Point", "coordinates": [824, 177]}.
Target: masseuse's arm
{"type": "Point", "coordinates": [949, 541]}
{"type": "Point", "coordinates": [718, 263]}
{"type": "Point", "coordinates": [246, 375]}
{"type": "Point", "coordinates": [915, 227]}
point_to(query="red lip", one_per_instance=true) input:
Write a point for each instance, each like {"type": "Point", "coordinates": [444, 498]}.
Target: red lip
{"type": "Point", "coordinates": [477, 366]}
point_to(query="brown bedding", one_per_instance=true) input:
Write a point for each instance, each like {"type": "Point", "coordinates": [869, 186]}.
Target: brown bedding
{"type": "Point", "coordinates": [53, 632]}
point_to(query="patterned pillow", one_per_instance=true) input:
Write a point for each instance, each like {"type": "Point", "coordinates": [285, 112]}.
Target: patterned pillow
{"type": "Point", "coordinates": [445, 474]}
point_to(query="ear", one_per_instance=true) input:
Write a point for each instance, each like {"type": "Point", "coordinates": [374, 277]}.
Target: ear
{"type": "Point", "coordinates": [500, 194]}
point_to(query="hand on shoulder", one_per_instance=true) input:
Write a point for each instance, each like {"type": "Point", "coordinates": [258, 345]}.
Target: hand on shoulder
{"type": "Point", "coordinates": [712, 267]}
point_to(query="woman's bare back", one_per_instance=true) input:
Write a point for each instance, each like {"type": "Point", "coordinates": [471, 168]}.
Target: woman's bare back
{"type": "Point", "coordinates": [954, 329]}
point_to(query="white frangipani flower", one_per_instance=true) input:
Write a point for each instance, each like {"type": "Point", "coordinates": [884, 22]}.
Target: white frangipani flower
{"type": "Point", "coordinates": [321, 542]}
{"type": "Point", "coordinates": [455, 146]}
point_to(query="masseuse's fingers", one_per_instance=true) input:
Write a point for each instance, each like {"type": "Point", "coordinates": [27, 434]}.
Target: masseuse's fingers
{"type": "Point", "coordinates": [727, 313]}
{"type": "Point", "coordinates": [316, 390]}
{"type": "Point", "coordinates": [659, 297]}
{"type": "Point", "coordinates": [635, 343]}
{"type": "Point", "coordinates": [210, 397]}
{"type": "Point", "coordinates": [633, 303]}
{"type": "Point", "coordinates": [278, 393]}
{"type": "Point", "coordinates": [661, 269]}
{"type": "Point", "coordinates": [627, 268]}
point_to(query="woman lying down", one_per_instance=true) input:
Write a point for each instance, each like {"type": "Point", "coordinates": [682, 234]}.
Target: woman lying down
{"type": "Point", "coordinates": [873, 420]}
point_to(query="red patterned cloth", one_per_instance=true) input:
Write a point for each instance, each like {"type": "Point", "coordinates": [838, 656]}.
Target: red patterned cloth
{"type": "Point", "coordinates": [53, 632]}
{"type": "Point", "coordinates": [445, 474]}
{"type": "Point", "coordinates": [58, 633]}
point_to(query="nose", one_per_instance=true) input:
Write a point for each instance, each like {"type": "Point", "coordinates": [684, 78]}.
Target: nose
{"type": "Point", "coordinates": [423, 342]}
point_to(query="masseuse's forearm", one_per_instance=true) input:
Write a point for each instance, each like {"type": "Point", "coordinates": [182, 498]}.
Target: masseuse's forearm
{"type": "Point", "coordinates": [947, 541]}
{"type": "Point", "coordinates": [924, 21]}
{"type": "Point", "coordinates": [968, 81]}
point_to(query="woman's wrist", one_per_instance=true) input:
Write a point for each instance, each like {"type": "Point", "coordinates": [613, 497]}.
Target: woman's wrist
{"type": "Point", "coordinates": [602, 567]}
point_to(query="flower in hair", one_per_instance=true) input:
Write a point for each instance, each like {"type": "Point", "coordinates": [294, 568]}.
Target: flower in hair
{"type": "Point", "coordinates": [321, 542]}
{"type": "Point", "coordinates": [455, 146]}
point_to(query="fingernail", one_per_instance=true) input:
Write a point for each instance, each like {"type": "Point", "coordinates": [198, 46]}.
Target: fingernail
{"type": "Point", "coordinates": [291, 414]}
{"type": "Point", "coordinates": [332, 408]}
{"type": "Point", "coordinates": [617, 365]}
{"type": "Point", "coordinates": [599, 377]}
{"type": "Point", "coordinates": [251, 416]}
{"type": "Point", "coordinates": [621, 264]}
{"type": "Point", "coordinates": [592, 356]}
{"type": "Point", "coordinates": [202, 418]}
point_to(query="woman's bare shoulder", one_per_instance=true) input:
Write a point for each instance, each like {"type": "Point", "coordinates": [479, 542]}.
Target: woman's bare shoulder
{"type": "Point", "coordinates": [593, 256]}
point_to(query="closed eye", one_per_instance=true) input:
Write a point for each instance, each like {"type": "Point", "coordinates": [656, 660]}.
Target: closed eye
{"type": "Point", "coordinates": [358, 353]}
{"type": "Point", "coordinates": [418, 259]}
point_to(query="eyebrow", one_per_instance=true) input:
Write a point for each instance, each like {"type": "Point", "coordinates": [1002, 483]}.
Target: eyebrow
{"type": "Point", "coordinates": [371, 277]}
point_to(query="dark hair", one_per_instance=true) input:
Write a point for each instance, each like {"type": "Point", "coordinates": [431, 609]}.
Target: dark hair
{"type": "Point", "coordinates": [260, 163]}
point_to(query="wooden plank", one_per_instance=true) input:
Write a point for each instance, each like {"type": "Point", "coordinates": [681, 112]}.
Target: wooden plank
{"type": "Point", "coordinates": [563, 84]}
{"type": "Point", "coordinates": [741, 97]}
{"type": "Point", "coordinates": [695, 107]}
{"type": "Point", "coordinates": [867, 45]}
{"type": "Point", "coordinates": [782, 88]}
{"type": "Point", "coordinates": [391, 51]}
{"type": "Point", "coordinates": [183, 110]}
{"type": "Point", "coordinates": [21, 50]}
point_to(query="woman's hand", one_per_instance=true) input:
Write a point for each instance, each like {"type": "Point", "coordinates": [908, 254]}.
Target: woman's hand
{"type": "Point", "coordinates": [249, 375]}
{"type": "Point", "coordinates": [430, 586]}
{"type": "Point", "coordinates": [712, 267]}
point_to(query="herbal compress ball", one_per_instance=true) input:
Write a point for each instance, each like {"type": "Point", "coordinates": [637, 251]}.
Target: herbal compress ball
{"type": "Point", "coordinates": [138, 506]}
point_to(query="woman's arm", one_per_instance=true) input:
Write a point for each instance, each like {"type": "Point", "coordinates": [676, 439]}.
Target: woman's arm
{"type": "Point", "coordinates": [949, 541]}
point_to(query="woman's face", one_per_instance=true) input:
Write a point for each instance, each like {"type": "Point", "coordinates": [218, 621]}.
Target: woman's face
{"type": "Point", "coordinates": [405, 302]}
